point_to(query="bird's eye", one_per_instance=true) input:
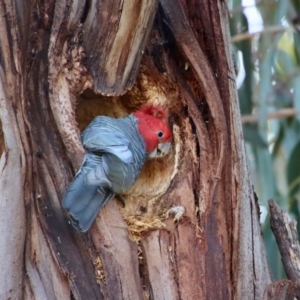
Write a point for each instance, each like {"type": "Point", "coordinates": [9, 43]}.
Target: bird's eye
{"type": "Point", "coordinates": [160, 134]}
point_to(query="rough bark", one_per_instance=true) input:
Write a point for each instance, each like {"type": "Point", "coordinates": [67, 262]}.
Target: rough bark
{"type": "Point", "coordinates": [282, 290]}
{"type": "Point", "coordinates": [190, 228]}
{"type": "Point", "coordinates": [285, 231]}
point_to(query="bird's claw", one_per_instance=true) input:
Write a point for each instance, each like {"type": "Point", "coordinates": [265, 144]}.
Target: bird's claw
{"type": "Point", "coordinates": [121, 200]}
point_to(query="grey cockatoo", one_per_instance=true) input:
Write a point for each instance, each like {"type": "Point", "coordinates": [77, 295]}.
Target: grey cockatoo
{"type": "Point", "coordinates": [117, 150]}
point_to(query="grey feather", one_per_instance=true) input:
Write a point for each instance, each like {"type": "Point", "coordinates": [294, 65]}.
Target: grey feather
{"type": "Point", "coordinates": [116, 155]}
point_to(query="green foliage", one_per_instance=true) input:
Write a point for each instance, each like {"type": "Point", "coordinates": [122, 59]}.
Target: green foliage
{"type": "Point", "coordinates": [271, 60]}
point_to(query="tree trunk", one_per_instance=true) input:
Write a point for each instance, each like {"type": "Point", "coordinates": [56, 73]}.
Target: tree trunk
{"type": "Point", "coordinates": [190, 228]}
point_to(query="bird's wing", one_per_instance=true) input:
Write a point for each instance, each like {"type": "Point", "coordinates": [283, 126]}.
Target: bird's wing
{"type": "Point", "coordinates": [105, 135]}
{"type": "Point", "coordinates": [97, 176]}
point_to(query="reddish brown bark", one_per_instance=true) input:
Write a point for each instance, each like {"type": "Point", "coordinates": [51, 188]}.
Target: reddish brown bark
{"type": "Point", "coordinates": [67, 61]}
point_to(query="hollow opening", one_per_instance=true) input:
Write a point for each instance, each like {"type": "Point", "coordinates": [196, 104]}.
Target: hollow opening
{"type": "Point", "coordinates": [90, 105]}
{"type": "Point", "coordinates": [145, 199]}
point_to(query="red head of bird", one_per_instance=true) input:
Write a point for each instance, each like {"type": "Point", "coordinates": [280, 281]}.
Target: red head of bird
{"type": "Point", "coordinates": [156, 133]}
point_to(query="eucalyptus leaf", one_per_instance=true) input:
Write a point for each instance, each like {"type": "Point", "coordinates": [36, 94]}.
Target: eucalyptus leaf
{"type": "Point", "coordinates": [293, 171]}
{"type": "Point", "coordinates": [252, 136]}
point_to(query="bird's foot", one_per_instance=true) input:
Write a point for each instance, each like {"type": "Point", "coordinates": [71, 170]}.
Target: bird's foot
{"type": "Point", "coordinates": [121, 200]}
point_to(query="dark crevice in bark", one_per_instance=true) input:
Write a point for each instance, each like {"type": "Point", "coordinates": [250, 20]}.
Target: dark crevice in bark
{"type": "Point", "coordinates": [142, 269]}
{"type": "Point", "coordinates": [86, 10]}
{"type": "Point", "coordinates": [175, 263]}
{"type": "Point", "coordinates": [73, 297]}
{"type": "Point", "coordinates": [2, 143]}
{"type": "Point", "coordinates": [232, 247]}
{"type": "Point", "coordinates": [253, 253]}
{"type": "Point", "coordinates": [145, 280]}
{"type": "Point", "coordinates": [164, 44]}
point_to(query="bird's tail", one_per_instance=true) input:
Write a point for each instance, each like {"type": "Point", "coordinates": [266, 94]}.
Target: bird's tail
{"type": "Point", "coordinates": [83, 202]}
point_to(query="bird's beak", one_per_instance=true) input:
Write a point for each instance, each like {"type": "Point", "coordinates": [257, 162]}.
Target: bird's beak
{"type": "Point", "coordinates": [161, 150]}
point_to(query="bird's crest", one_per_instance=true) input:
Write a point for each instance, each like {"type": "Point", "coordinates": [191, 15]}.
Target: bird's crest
{"type": "Point", "coordinates": [154, 110]}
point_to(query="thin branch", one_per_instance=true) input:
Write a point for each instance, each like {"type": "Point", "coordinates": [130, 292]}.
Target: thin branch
{"type": "Point", "coordinates": [282, 290]}
{"type": "Point", "coordinates": [271, 29]}
{"type": "Point", "coordinates": [285, 231]}
{"type": "Point", "coordinates": [279, 114]}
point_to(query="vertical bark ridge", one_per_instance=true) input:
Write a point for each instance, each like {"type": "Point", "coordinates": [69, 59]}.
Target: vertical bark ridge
{"type": "Point", "coordinates": [12, 162]}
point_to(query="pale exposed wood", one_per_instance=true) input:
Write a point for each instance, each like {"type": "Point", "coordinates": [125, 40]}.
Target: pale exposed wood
{"type": "Point", "coordinates": [45, 279]}
{"type": "Point", "coordinates": [116, 48]}
{"type": "Point", "coordinates": [12, 166]}
{"type": "Point", "coordinates": [12, 214]}
{"type": "Point", "coordinates": [161, 282]}
{"type": "Point", "coordinates": [186, 247]}
{"type": "Point", "coordinates": [67, 76]}
{"type": "Point", "coordinates": [118, 254]}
